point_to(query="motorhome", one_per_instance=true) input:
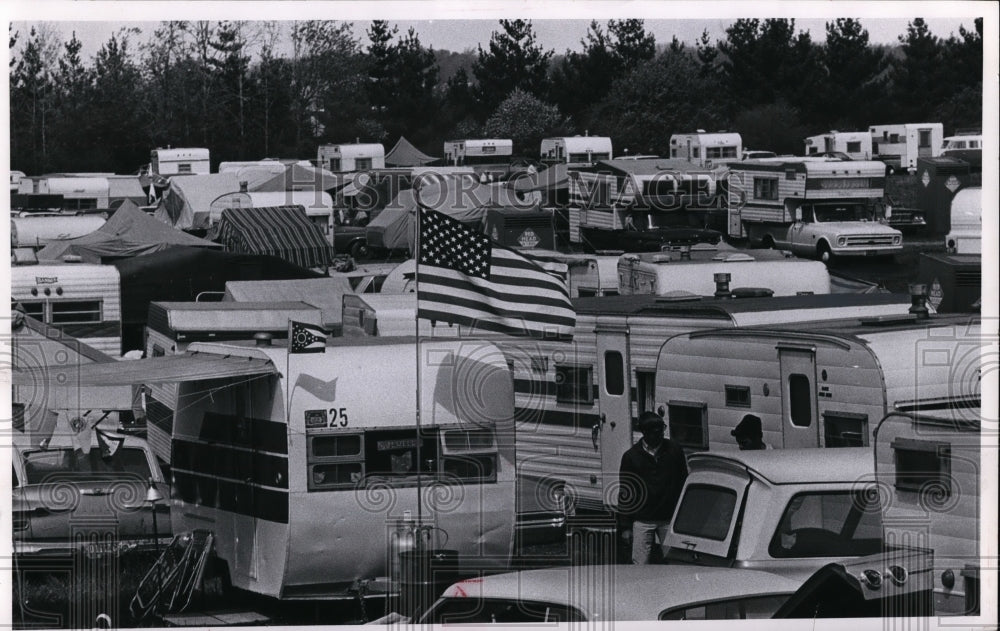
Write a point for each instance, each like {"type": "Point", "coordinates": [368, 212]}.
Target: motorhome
{"type": "Point", "coordinates": [928, 459]}
{"type": "Point", "coordinates": [314, 470]}
{"type": "Point", "coordinates": [185, 161]}
{"type": "Point", "coordinates": [78, 192]}
{"type": "Point", "coordinates": [318, 205]}
{"type": "Point", "coordinates": [900, 145]}
{"type": "Point", "coordinates": [576, 150]}
{"type": "Point", "coordinates": [816, 208]}
{"type": "Point", "coordinates": [812, 384]}
{"type": "Point", "coordinates": [966, 235]}
{"type": "Point", "coordinates": [706, 149]}
{"type": "Point", "coordinates": [474, 151]}
{"type": "Point", "coordinates": [82, 301]}
{"type": "Point", "coordinates": [856, 145]}
{"type": "Point", "coordinates": [351, 157]}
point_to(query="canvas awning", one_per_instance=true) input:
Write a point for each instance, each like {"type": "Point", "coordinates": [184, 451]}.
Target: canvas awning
{"type": "Point", "coordinates": [109, 385]}
{"type": "Point", "coordinates": [282, 231]}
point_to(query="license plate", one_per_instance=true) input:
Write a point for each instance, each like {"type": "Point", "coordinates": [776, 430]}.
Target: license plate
{"type": "Point", "coordinates": [102, 549]}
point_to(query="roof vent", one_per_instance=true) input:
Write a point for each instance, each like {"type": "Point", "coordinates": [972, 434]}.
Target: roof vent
{"type": "Point", "coordinates": [918, 301]}
{"type": "Point", "coordinates": [722, 284]}
{"type": "Point", "coordinates": [739, 257]}
{"type": "Point", "coordinates": [663, 257]}
{"type": "Point", "coordinates": [677, 295]}
{"type": "Point", "coordinates": [72, 258]}
{"type": "Point", "coordinates": [262, 339]}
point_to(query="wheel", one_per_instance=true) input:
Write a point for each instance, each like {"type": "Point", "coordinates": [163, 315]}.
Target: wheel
{"type": "Point", "coordinates": [360, 250]}
{"type": "Point", "coordinates": [767, 242]}
{"type": "Point", "coordinates": [823, 252]}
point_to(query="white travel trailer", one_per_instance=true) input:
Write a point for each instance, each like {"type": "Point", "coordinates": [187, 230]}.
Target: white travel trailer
{"type": "Point", "coordinates": [966, 235]}
{"type": "Point", "coordinates": [313, 469]}
{"type": "Point", "coordinates": [576, 150]}
{"type": "Point", "coordinates": [856, 144]}
{"type": "Point", "coordinates": [318, 205]}
{"type": "Point", "coordinates": [901, 145]}
{"type": "Point", "coordinates": [706, 149]}
{"type": "Point", "coordinates": [477, 151]}
{"type": "Point", "coordinates": [812, 384]}
{"type": "Point", "coordinates": [79, 192]}
{"type": "Point", "coordinates": [185, 161]}
{"type": "Point", "coordinates": [928, 460]}
{"type": "Point", "coordinates": [35, 230]}
{"type": "Point", "coordinates": [351, 157]}
{"type": "Point", "coordinates": [81, 300]}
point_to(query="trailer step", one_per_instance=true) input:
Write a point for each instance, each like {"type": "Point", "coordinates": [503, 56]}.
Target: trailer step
{"type": "Point", "coordinates": [215, 619]}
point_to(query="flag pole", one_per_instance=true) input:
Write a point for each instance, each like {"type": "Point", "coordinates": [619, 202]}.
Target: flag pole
{"type": "Point", "coordinates": [416, 328]}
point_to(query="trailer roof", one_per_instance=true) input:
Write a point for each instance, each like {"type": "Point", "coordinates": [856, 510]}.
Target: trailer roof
{"type": "Point", "coordinates": [709, 306]}
{"type": "Point", "coordinates": [796, 466]}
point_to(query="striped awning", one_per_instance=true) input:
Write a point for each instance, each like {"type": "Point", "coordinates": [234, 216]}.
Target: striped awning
{"type": "Point", "coordinates": [282, 231]}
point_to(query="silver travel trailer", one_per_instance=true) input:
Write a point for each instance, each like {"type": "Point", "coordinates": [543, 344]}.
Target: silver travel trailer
{"type": "Point", "coordinates": [812, 384]}
{"type": "Point", "coordinates": [313, 469]}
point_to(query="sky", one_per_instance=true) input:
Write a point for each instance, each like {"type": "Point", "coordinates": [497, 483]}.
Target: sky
{"type": "Point", "coordinates": [559, 26]}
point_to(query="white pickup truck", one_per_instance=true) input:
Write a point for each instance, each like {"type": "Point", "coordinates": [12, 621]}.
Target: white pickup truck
{"type": "Point", "coordinates": [785, 511]}
{"type": "Point", "coordinates": [827, 230]}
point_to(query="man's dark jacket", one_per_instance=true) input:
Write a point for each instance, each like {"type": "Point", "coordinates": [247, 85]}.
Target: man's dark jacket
{"type": "Point", "coordinates": [650, 487]}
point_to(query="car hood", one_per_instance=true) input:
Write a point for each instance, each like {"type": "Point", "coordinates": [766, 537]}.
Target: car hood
{"type": "Point", "coordinates": [859, 227]}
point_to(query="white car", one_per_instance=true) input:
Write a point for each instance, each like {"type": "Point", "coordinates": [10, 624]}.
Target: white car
{"type": "Point", "coordinates": [613, 592]}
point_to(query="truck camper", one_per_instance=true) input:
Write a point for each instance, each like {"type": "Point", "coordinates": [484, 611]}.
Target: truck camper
{"type": "Point", "coordinates": [314, 469]}
{"type": "Point", "coordinates": [351, 157]}
{"type": "Point", "coordinates": [183, 161]}
{"type": "Point", "coordinates": [899, 146]}
{"type": "Point", "coordinates": [704, 148]}
{"type": "Point", "coordinates": [857, 145]}
{"type": "Point", "coordinates": [812, 384]}
{"type": "Point", "coordinates": [576, 150]}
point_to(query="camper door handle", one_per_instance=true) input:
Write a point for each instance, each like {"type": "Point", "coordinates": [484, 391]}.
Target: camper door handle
{"type": "Point", "coordinates": [595, 433]}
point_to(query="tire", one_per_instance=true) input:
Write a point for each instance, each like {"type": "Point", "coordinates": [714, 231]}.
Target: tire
{"type": "Point", "coordinates": [767, 242]}
{"type": "Point", "coordinates": [360, 250]}
{"type": "Point", "coordinates": [823, 252]}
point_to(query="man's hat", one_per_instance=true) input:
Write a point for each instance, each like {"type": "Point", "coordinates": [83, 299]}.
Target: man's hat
{"type": "Point", "coordinates": [749, 426]}
{"type": "Point", "coordinates": [650, 421]}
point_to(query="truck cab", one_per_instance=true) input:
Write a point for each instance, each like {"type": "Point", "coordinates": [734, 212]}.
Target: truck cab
{"type": "Point", "coordinates": [845, 228]}
{"type": "Point", "coordinates": [787, 511]}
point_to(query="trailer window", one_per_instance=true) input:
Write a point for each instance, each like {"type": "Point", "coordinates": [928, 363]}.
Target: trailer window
{"type": "Point", "coordinates": [362, 164]}
{"type": "Point", "coordinates": [765, 188]}
{"type": "Point", "coordinates": [845, 429]}
{"type": "Point", "coordinates": [800, 400]}
{"type": "Point", "coordinates": [854, 147]}
{"type": "Point", "coordinates": [829, 524]}
{"type": "Point", "coordinates": [34, 309]}
{"type": "Point", "coordinates": [688, 424]}
{"type": "Point", "coordinates": [575, 384]}
{"type": "Point", "coordinates": [76, 312]}
{"type": "Point", "coordinates": [184, 167]}
{"type": "Point", "coordinates": [614, 373]}
{"type": "Point", "coordinates": [334, 164]}
{"type": "Point", "coordinates": [17, 414]}
{"type": "Point", "coordinates": [645, 391]}
{"type": "Point", "coordinates": [391, 455]}
{"type": "Point", "coordinates": [335, 461]}
{"type": "Point", "coordinates": [737, 396]}
{"type": "Point", "coordinates": [469, 455]}
{"type": "Point", "coordinates": [922, 466]}
{"type": "Point", "coordinates": [705, 511]}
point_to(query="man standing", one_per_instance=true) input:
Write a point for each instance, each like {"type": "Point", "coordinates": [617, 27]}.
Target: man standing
{"type": "Point", "coordinates": [749, 434]}
{"type": "Point", "coordinates": [651, 476]}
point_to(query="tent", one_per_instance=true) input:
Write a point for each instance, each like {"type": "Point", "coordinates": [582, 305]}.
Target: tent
{"type": "Point", "coordinates": [185, 203]}
{"type": "Point", "coordinates": [294, 177]}
{"type": "Point", "coordinates": [404, 154]}
{"type": "Point", "coordinates": [125, 187]}
{"type": "Point", "coordinates": [183, 273]}
{"type": "Point", "coordinates": [282, 231]}
{"type": "Point", "coordinates": [129, 232]}
{"type": "Point", "coordinates": [458, 197]}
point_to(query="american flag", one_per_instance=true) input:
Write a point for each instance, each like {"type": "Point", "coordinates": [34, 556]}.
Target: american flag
{"type": "Point", "coordinates": [463, 278]}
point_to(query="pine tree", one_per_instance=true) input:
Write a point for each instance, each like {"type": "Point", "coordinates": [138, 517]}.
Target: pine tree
{"type": "Point", "coordinates": [513, 60]}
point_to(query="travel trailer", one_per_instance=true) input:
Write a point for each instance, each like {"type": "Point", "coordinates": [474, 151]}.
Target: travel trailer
{"type": "Point", "coordinates": [966, 236]}
{"type": "Point", "coordinates": [36, 230]}
{"type": "Point", "coordinates": [812, 384]}
{"type": "Point", "coordinates": [351, 157]}
{"type": "Point", "coordinates": [900, 145]}
{"type": "Point", "coordinates": [815, 208]}
{"type": "Point", "coordinates": [473, 151]}
{"type": "Point", "coordinates": [179, 161]}
{"type": "Point", "coordinates": [81, 300]}
{"type": "Point", "coordinates": [576, 150]}
{"type": "Point", "coordinates": [78, 192]}
{"type": "Point", "coordinates": [857, 145]}
{"type": "Point", "coordinates": [314, 471]}
{"type": "Point", "coordinates": [706, 149]}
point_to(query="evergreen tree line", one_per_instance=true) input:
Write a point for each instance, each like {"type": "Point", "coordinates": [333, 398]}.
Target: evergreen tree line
{"type": "Point", "coordinates": [198, 84]}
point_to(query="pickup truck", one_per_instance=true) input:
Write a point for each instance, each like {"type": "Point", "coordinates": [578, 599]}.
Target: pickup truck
{"type": "Point", "coordinates": [785, 511]}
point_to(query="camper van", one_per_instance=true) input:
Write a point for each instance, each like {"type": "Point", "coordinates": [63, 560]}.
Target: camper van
{"type": "Point", "coordinates": [856, 145]}
{"type": "Point", "coordinates": [351, 157]}
{"type": "Point", "coordinates": [188, 161]}
{"type": "Point", "coordinates": [900, 145]}
{"type": "Point", "coordinates": [473, 151]}
{"type": "Point", "coordinates": [576, 150]}
{"type": "Point", "coordinates": [966, 236]}
{"type": "Point", "coordinates": [814, 384]}
{"type": "Point", "coordinates": [318, 205]}
{"type": "Point", "coordinates": [78, 192]}
{"type": "Point", "coordinates": [928, 460]}
{"type": "Point", "coordinates": [816, 208]}
{"type": "Point", "coordinates": [81, 300]}
{"type": "Point", "coordinates": [706, 149]}
{"type": "Point", "coordinates": [314, 471]}
{"type": "Point", "coordinates": [966, 146]}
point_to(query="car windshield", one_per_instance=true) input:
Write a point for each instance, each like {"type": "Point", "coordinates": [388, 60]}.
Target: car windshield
{"type": "Point", "coordinates": [59, 465]}
{"type": "Point", "coordinates": [829, 524]}
{"type": "Point", "coordinates": [841, 212]}
{"type": "Point", "coordinates": [499, 610]}
{"type": "Point", "coordinates": [705, 511]}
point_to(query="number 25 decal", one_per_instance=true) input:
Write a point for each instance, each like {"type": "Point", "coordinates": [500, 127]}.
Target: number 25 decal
{"type": "Point", "coordinates": [338, 417]}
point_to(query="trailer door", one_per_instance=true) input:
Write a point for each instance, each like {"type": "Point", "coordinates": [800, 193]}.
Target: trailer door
{"type": "Point", "coordinates": [613, 432]}
{"type": "Point", "coordinates": [800, 427]}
